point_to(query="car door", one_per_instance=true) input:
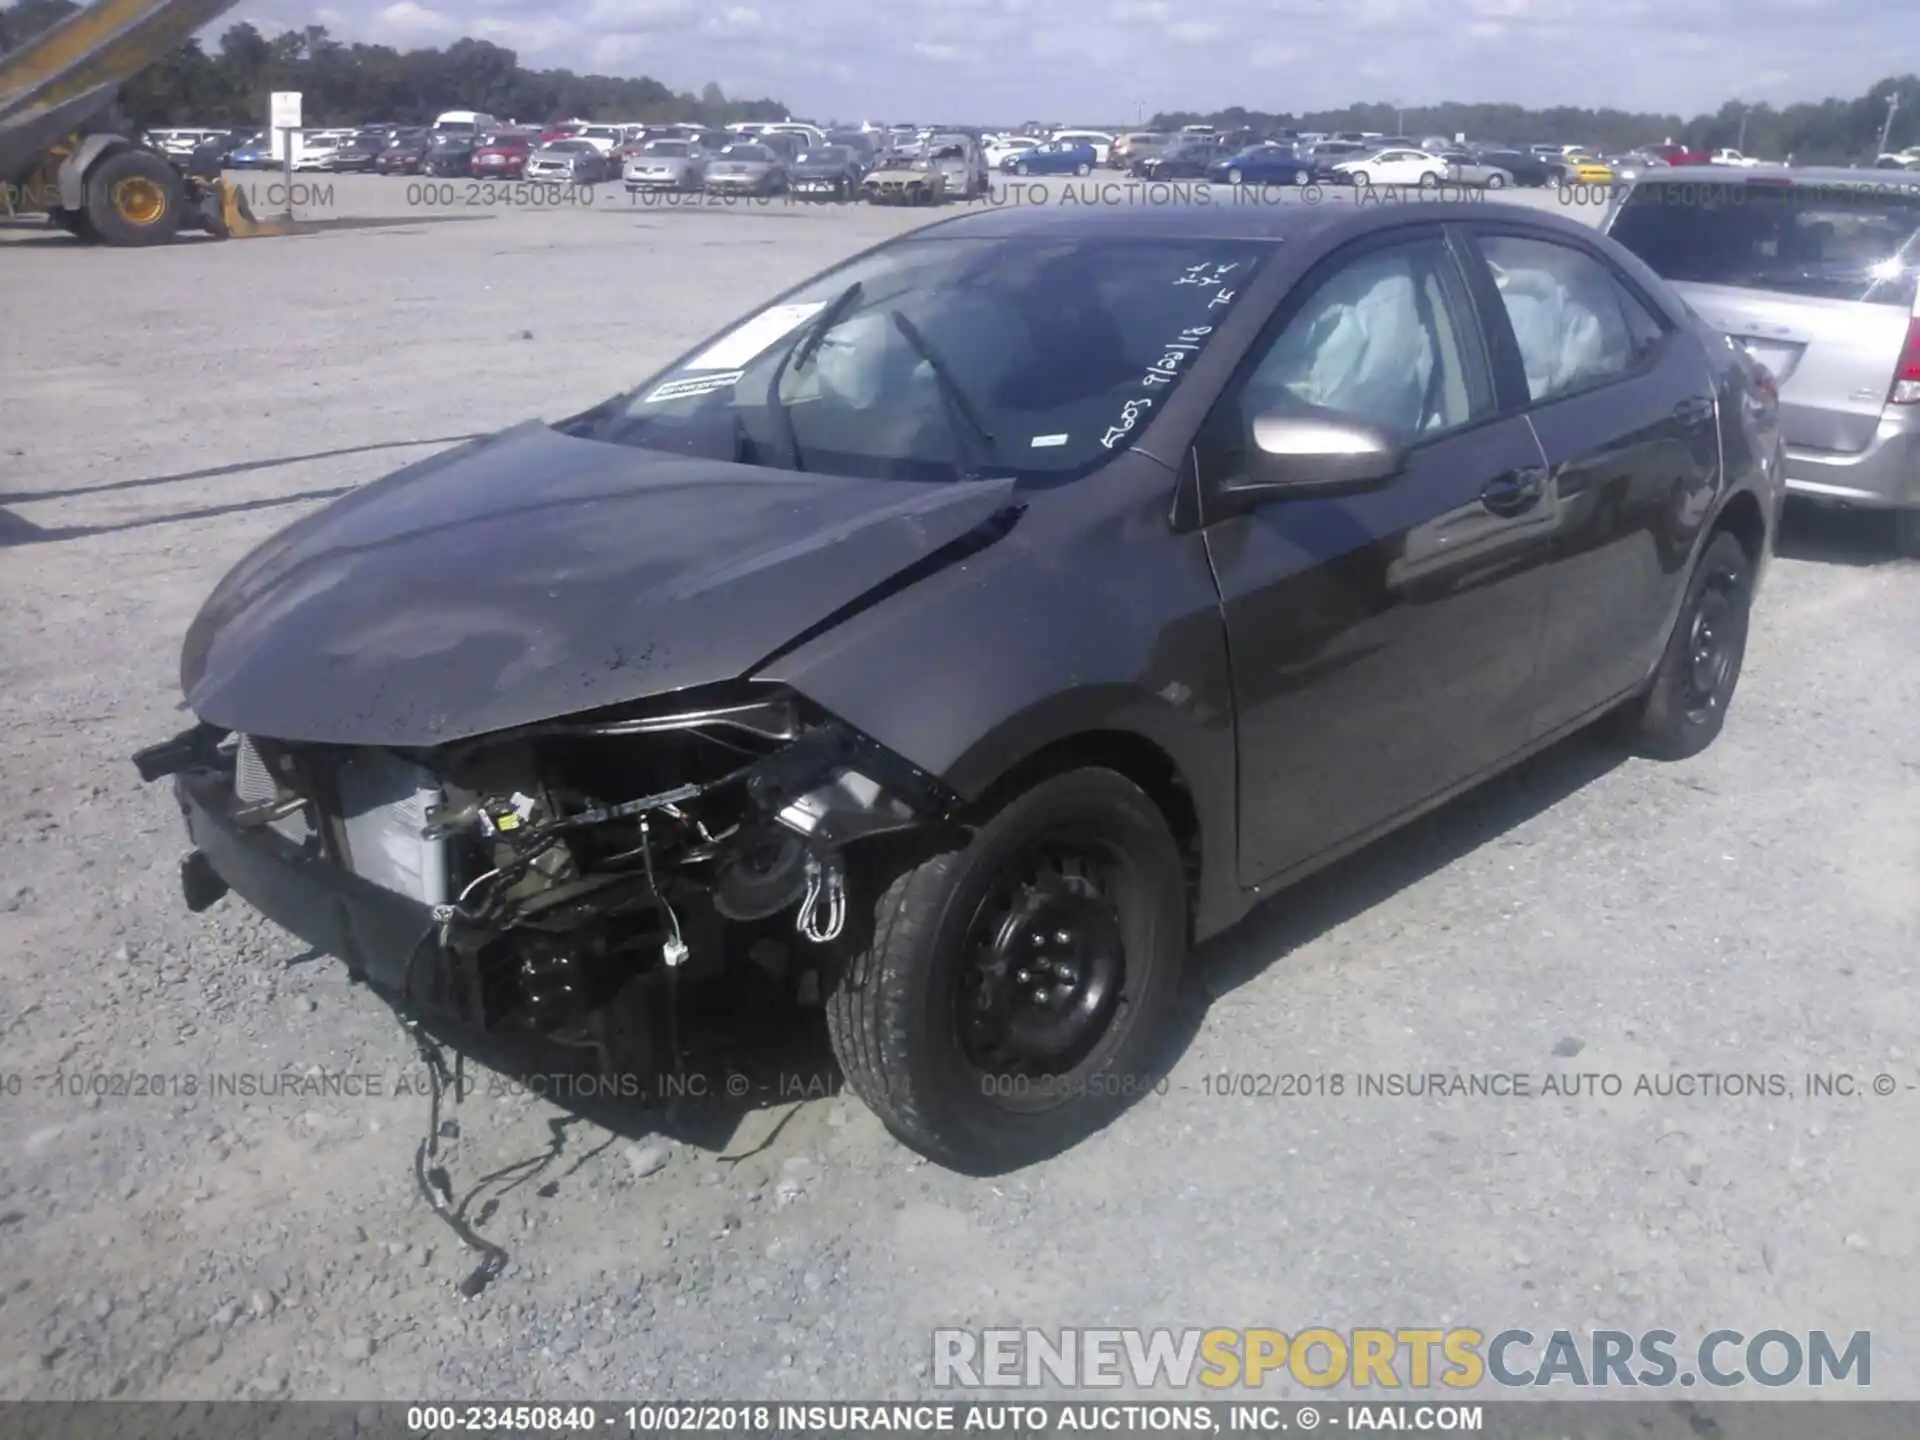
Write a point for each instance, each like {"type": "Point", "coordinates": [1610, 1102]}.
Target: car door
{"type": "Point", "coordinates": [1622, 401]}
{"type": "Point", "coordinates": [1383, 644]}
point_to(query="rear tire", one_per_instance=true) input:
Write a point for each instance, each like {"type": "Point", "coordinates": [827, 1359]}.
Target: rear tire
{"type": "Point", "coordinates": [135, 198]}
{"type": "Point", "coordinates": [1684, 709]}
{"type": "Point", "coordinates": [1496, 181]}
{"type": "Point", "coordinates": [1076, 886]}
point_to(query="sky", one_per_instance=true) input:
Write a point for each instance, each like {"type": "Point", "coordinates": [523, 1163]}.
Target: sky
{"type": "Point", "coordinates": [1113, 61]}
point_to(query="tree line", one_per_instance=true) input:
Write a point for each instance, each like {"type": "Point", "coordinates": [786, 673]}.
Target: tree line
{"type": "Point", "coordinates": [1815, 132]}
{"type": "Point", "coordinates": [347, 84]}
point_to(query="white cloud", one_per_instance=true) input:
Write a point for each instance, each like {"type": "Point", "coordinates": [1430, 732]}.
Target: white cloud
{"type": "Point", "coordinates": [408, 23]}
{"type": "Point", "coordinates": [1011, 60]}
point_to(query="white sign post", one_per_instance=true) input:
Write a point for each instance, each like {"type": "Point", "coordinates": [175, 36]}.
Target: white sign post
{"type": "Point", "coordinates": [283, 123]}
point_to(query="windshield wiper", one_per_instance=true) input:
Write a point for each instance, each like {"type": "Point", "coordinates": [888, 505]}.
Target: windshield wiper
{"type": "Point", "coordinates": [796, 359]}
{"type": "Point", "coordinates": [970, 427]}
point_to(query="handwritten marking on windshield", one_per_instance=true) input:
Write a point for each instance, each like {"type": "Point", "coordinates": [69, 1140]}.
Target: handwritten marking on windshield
{"type": "Point", "coordinates": [1129, 420]}
{"type": "Point", "coordinates": [1211, 274]}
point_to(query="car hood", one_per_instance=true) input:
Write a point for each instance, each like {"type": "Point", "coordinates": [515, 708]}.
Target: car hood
{"type": "Point", "coordinates": [533, 574]}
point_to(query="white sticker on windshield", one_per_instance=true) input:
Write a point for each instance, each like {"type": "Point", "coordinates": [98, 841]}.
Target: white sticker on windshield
{"type": "Point", "coordinates": [746, 344]}
{"type": "Point", "coordinates": [1043, 442]}
{"type": "Point", "coordinates": [693, 385]}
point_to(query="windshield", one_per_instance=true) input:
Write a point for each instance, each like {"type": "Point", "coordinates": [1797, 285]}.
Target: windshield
{"type": "Point", "coordinates": [668, 147]}
{"type": "Point", "coordinates": [1826, 241]}
{"type": "Point", "coordinates": [827, 155]}
{"type": "Point", "coordinates": [747, 152]}
{"type": "Point", "coordinates": [945, 359]}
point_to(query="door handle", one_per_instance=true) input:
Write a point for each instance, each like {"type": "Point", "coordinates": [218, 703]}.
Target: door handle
{"type": "Point", "coordinates": [1694, 410]}
{"type": "Point", "coordinates": [1515, 492]}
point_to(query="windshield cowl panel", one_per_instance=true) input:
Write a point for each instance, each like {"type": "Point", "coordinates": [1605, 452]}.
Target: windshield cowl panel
{"type": "Point", "coordinates": [949, 359]}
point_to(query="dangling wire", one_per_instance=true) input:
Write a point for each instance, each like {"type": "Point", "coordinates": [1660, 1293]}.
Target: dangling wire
{"type": "Point", "coordinates": [825, 881]}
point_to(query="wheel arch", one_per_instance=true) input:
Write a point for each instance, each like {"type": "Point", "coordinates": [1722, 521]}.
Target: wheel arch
{"type": "Point", "coordinates": [77, 166]}
{"type": "Point", "coordinates": [1140, 759]}
{"type": "Point", "coordinates": [1743, 518]}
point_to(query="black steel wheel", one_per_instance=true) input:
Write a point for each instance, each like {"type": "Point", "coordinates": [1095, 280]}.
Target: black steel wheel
{"type": "Point", "coordinates": [1007, 1001]}
{"type": "Point", "coordinates": [1683, 710]}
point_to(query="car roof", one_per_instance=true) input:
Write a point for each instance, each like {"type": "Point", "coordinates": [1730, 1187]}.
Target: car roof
{"type": "Point", "coordinates": [1331, 223]}
{"type": "Point", "coordinates": [1775, 175]}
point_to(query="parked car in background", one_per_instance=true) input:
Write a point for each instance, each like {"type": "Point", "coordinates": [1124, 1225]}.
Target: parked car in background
{"type": "Point", "coordinates": [1734, 158]}
{"type": "Point", "coordinates": [826, 172]}
{"type": "Point", "coordinates": [1052, 157]}
{"type": "Point", "coordinates": [503, 157]}
{"type": "Point", "coordinates": [998, 152]}
{"type": "Point", "coordinates": [1134, 145]}
{"type": "Point", "coordinates": [1586, 170]}
{"type": "Point", "coordinates": [1898, 160]}
{"type": "Point", "coordinates": [258, 154]}
{"type": "Point", "coordinates": [914, 181]}
{"type": "Point", "coordinates": [1329, 155]}
{"type": "Point", "coordinates": [1263, 165]}
{"type": "Point", "coordinates": [405, 155]}
{"type": "Point", "coordinates": [1189, 160]}
{"type": "Point", "coordinates": [1523, 167]}
{"type": "Point", "coordinates": [959, 158]}
{"type": "Point", "coordinates": [1395, 167]}
{"type": "Point", "coordinates": [567, 162]}
{"type": "Point", "coordinates": [450, 155]}
{"type": "Point", "coordinates": [1676, 154]}
{"type": "Point", "coordinates": [357, 154]}
{"type": "Point", "coordinates": [1466, 168]}
{"type": "Point", "coordinates": [746, 168]}
{"type": "Point", "coordinates": [1813, 272]}
{"type": "Point", "coordinates": [1098, 141]}
{"type": "Point", "coordinates": [666, 165]}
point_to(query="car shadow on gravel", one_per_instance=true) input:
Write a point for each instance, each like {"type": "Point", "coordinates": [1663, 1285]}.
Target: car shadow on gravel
{"type": "Point", "coordinates": [1369, 877]}
{"type": "Point", "coordinates": [1828, 536]}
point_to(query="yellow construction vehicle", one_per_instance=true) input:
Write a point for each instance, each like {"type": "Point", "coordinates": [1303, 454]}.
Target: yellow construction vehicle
{"type": "Point", "coordinates": [64, 151]}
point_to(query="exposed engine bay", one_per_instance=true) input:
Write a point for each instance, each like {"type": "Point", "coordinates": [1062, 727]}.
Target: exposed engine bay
{"type": "Point", "coordinates": [571, 866]}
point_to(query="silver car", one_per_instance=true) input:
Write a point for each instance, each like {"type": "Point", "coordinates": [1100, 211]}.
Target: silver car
{"type": "Point", "coordinates": [666, 165]}
{"type": "Point", "coordinates": [962, 161]}
{"type": "Point", "coordinates": [567, 162]}
{"type": "Point", "coordinates": [1465, 168]}
{"type": "Point", "coordinates": [1814, 272]}
{"type": "Point", "coordinates": [746, 169]}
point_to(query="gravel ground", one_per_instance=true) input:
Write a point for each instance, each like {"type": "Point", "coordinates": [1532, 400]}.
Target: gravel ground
{"type": "Point", "coordinates": [1756, 911]}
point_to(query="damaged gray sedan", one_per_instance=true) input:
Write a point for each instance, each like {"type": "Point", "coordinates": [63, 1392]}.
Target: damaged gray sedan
{"type": "Point", "coordinates": [987, 620]}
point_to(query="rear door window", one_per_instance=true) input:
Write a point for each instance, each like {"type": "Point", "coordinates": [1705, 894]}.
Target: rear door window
{"type": "Point", "coordinates": [1576, 327]}
{"type": "Point", "coordinates": [1835, 242]}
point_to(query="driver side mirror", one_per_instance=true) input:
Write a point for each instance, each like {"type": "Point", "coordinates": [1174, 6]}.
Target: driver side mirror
{"type": "Point", "coordinates": [1312, 457]}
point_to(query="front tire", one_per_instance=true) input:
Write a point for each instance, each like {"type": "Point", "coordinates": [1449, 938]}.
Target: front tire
{"type": "Point", "coordinates": [1006, 1001]}
{"type": "Point", "coordinates": [1083, 169]}
{"type": "Point", "coordinates": [1235, 177]}
{"type": "Point", "coordinates": [1021, 168]}
{"type": "Point", "coordinates": [135, 198]}
{"type": "Point", "coordinates": [1496, 181]}
{"type": "Point", "coordinates": [1684, 709]}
